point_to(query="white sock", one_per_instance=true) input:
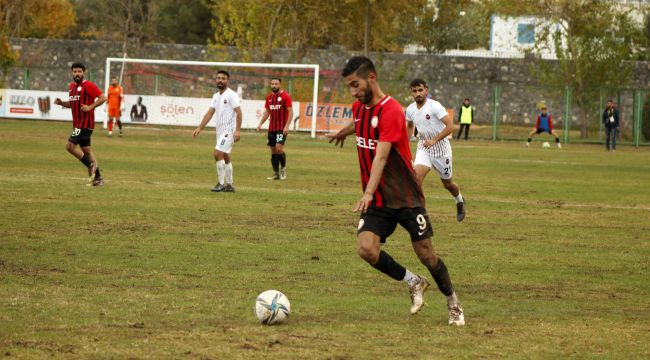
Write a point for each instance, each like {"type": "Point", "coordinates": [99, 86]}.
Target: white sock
{"type": "Point", "coordinates": [459, 198]}
{"type": "Point", "coordinates": [452, 300]}
{"type": "Point", "coordinates": [229, 173]}
{"type": "Point", "coordinates": [410, 278]}
{"type": "Point", "coordinates": [221, 171]}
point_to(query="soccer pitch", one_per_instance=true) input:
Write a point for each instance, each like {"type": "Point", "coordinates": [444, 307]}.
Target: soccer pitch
{"type": "Point", "coordinates": [552, 260]}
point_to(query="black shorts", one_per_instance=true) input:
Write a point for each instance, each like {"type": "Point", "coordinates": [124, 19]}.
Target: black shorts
{"type": "Point", "coordinates": [540, 130]}
{"type": "Point", "coordinates": [81, 137]}
{"type": "Point", "coordinates": [383, 221]}
{"type": "Point", "coordinates": [276, 137]}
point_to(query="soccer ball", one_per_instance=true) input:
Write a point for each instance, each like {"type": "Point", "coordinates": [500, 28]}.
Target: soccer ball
{"type": "Point", "coordinates": [272, 307]}
{"type": "Point", "coordinates": [546, 145]}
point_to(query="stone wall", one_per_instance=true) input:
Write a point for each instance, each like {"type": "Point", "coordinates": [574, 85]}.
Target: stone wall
{"type": "Point", "coordinates": [44, 65]}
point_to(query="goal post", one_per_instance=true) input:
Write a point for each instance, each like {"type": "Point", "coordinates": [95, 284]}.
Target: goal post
{"type": "Point", "coordinates": [226, 66]}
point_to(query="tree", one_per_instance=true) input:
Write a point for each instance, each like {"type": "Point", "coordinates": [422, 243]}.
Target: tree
{"type": "Point", "coordinates": [129, 21]}
{"type": "Point", "coordinates": [592, 48]}
{"type": "Point", "coordinates": [375, 25]}
{"type": "Point", "coordinates": [31, 18]}
{"type": "Point", "coordinates": [183, 22]}
{"type": "Point", "coordinates": [591, 51]}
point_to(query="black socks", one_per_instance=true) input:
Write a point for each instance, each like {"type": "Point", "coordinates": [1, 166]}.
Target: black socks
{"type": "Point", "coordinates": [441, 276]}
{"type": "Point", "coordinates": [86, 160]}
{"type": "Point", "coordinates": [390, 267]}
{"type": "Point", "coordinates": [275, 162]}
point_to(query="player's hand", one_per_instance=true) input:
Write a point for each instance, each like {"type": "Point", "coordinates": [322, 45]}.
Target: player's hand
{"type": "Point", "coordinates": [363, 203]}
{"type": "Point", "coordinates": [428, 143]}
{"type": "Point", "coordinates": [285, 131]}
{"type": "Point", "coordinates": [259, 128]}
{"type": "Point", "coordinates": [86, 108]}
{"type": "Point", "coordinates": [58, 101]}
{"type": "Point", "coordinates": [196, 132]}
{"type": "Point", "coordinates": [340, 139]}
{"type": "Point", "coordinates": [236, 136]}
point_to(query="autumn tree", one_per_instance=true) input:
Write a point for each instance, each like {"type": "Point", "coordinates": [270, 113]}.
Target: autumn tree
{"type": "Point", "coordinates": [31, 18]}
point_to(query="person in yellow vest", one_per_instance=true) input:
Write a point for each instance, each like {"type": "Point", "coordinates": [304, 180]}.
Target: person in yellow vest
{"type": "Point", "coordinates": [465, 118]}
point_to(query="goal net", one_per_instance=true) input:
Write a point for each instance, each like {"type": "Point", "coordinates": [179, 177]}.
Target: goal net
{"type": "Point", "coordinates": [172, 92]}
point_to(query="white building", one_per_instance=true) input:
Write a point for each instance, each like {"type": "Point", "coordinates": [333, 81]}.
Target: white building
{"type": "Point", "coordinates": [517, 35]}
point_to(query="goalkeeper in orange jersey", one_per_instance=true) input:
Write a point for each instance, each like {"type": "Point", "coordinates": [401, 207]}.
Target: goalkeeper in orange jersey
{"type": "Point", "coordinates": [115, 102]}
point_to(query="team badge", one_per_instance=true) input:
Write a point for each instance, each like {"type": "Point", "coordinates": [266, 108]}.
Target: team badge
{"type": "Point", "coordinates": [225, 101]}
{"type": "Point", "coordinates": [447, 161]}
{"type": "Point", "coordinates": [78, 88]}
{"type": "Point", "coordinates": [279, 98]}
{"type": "Point", "coordinates": [428, 117]}
{"type": "Point", "coordinates": [374, 121]}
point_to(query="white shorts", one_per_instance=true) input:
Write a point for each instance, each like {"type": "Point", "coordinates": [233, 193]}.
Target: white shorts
{"type": "Point", "coordinates": [224, 143]}
{"type": "Point", "coordinates": [441, 164]}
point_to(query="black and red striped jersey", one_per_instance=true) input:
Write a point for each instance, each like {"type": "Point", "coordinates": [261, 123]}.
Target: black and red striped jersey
{"type": "Point", "coordinates": [385, 122]}
{"type": "Point", "coordinates": [278, 107]}
{"type": "Point", "coordinates": [83, 93]}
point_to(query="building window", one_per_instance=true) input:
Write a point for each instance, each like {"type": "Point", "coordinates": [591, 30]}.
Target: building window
{"type": "Point", "coordinates": [525, 33]}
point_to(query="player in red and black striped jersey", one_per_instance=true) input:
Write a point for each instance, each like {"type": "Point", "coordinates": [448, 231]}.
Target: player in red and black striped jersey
{"type": "Point", "coordinates": [391, 192]}
{"type": "Point", "coordinates": [84, 97]}
{"type": "Point", "coordinates": [279, 108]}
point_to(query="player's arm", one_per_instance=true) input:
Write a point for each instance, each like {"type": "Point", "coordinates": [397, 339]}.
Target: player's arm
{"type": "Point", "coordinates": [98, 101]}
{"type": "Point", "coordinates": [263, 119]}
{"type": "Point", "coordinates": [449, 128]}
{"type": "Point", "coordinates": [239, 120]}
{"type": "Point", "coordinates": [208, 115]}
{"type": "Point", "coordinates": [65, 104]}
{"type": "Point", "coordinates": [410, 127]}
{"type": "Point", "coordinates": [145, 115]}
{"type": "Point", "coordinates": [377, 169]}
{"type": "Point", "coordinates": [285, 131]}
{"type": "Point", "coordinates": [340, 135]}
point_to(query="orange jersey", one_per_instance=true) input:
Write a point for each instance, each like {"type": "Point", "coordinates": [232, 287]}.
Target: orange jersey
{"type": "Point", "coordinates": [115, 95]}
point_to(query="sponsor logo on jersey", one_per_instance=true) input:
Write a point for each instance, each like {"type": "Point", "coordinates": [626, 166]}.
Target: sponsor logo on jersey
{"type": "Point", "coordinates": [275, 107]}
{"type": "Point", "coordinates": [367, 143]}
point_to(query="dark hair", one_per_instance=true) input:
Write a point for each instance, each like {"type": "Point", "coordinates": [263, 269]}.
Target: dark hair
{"type": "Point", "coordinates": [78, 65]}
{"type": "Point", "coordinates": [466, 99]}
{"type": "Point", "coordinates": [418, 82]}
{"type": "Point", "coordinates": [360, 65]}
{"type": "Point", "coordinates": [224, 72]}
{"type": "Point", "coordinates": [276, 78]}
{"type": "Point", "coordinates": [610, 100]}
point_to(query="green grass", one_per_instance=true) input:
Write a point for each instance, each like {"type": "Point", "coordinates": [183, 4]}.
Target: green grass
{"type": "Point", "coordinates": [551, 262]}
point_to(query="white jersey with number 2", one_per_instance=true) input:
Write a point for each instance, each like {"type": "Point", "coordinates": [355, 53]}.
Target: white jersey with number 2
{"type": "Point", "coordinates": [428, 121]}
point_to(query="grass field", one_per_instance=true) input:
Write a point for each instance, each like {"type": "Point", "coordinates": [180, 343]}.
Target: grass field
{"type": "Point", "coordinates": [552, 260]}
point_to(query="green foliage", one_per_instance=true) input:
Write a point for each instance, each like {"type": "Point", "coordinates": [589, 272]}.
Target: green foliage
{"type": "Point", "coordinates": [183, 22]}
{"type": "Point", "coordinates": [452, 25]}
{"type": "Point", "coordinates": [313, 24]}
{"type": "Point", "coordinates": [550, 263]}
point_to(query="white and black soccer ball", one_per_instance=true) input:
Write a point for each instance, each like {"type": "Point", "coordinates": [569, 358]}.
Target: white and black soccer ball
{"type": "Point", "coordinates": [272, 307]}
{"type": "Point", "coordinates": [546, 145]}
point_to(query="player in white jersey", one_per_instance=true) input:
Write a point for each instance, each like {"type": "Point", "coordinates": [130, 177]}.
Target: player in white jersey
{"type": "Point", "coordinates": [434, 151]}
{"type": "Point", "coordinates": [226, 105]}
